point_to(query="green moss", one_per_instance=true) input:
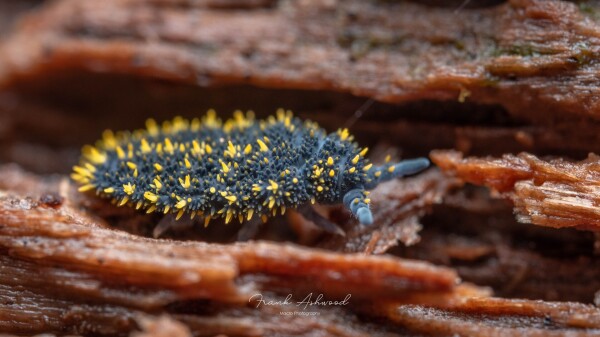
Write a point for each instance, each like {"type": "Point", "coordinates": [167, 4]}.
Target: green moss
{"type": "Point", "coordinates": [517, 50]}
{"type": "Point", "coordinates": [490, 81]}
{"type": "Point", "coordinates": [589, 10]}
{"type": "Point", "coordinates": [582, 53]}
{"type": "Point", "coordinates": [362, 43]}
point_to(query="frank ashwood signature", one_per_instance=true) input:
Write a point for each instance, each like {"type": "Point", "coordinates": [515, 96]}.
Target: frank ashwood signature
{"type": "Point", "coordinates": [305, 303]}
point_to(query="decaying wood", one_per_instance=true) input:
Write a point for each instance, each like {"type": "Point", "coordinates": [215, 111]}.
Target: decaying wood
{"type": "Point", "coordinates": [555, 193]}
{"type": "Point", "coordinates": [486, 80]}
{"type": "Point", "coordinates": [498, 55]}
{"type": "Point", "coordinates": [163, 326]}
{"type": "Point", "coordinates": [49, 235]}
{"type": "Point", "coordinates": [107, 282]}
{"type": "Point", "coordinates": [485, 244]}
{"type": "Point", "coordinates": [544, 319]}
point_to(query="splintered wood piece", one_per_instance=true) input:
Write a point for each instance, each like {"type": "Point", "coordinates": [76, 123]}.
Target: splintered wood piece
{"type": "Point", "coordinates": [397, 207]}
{"type": "Point", "coordinates": [554, 193]}
{"type": "Point", "coordinates": [198, 269]}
